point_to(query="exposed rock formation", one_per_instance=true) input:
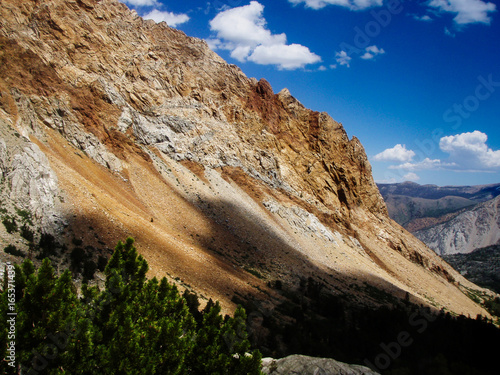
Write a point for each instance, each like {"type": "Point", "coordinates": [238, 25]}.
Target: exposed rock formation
{"type": "Point", "coordinates": [472, 229]}
{"type": "Point", "coordinates": [301, 364]}
{"type": "Point", "coordinates": [151, 134]}
{"type": "Point", "coordinates": [28, 182]}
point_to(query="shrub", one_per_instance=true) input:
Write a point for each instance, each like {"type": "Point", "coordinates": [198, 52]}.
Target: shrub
{"type": "Point", "coordinates": [27, 233]}
{"type": "Point", "coordinates": [77, 257]}
{"type": "Point", "coordinates": [101, 263]}
{"type": "Point", "coordinates": [48, 244]}
{"type": "Point", "coordinates": [12, 250]}
{"type": "Point", "coordinates": [10, 224]}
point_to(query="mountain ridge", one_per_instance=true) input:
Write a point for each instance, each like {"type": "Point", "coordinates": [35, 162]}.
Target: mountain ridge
{"type": "Point", "coordinates": [449, 219]}
{"type": "Point", "coordinates": [149, 133]}
{"type": "Point", "coordinates": [417, 207]}
{"type": "Point", "coordinates": [471, 229]}
{"type": "Point", "coordinates": [430, 191]}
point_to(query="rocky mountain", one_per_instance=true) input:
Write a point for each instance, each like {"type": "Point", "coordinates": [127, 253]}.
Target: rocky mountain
{"type": "Point", "coordinates": [114, 126]}
{"type": "Point", "coordinates": [449, 219]}
{"type": "Point", "coordinates": [475, 193]}
{"type": "Point", "coordinates": [417, 207]}
{"type": "Point", "coordinates": [471, 229]}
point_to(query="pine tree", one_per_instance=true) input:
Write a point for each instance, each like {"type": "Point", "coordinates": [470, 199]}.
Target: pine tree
{"type": "Point", "coordinates": [133, 326]}
{"type": "Point", "coordinates": [47, 318]}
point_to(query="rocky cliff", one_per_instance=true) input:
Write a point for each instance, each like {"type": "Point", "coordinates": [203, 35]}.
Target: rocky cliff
{"type": "Point", "coordinates": [114, 126]}
{"type": "Point", "coordinates": [471, 229]}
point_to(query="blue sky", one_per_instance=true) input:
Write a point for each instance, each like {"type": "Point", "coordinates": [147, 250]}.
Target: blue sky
{"type": "Point", "coordinates": [418, 82]}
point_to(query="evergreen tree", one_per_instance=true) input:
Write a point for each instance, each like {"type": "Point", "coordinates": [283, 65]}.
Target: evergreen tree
{"type": "Point", "coordinates": [133, 326]}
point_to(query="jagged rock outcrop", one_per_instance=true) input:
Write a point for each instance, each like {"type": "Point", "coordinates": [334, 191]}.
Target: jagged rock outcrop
{"type": "Point", "coordinates": [304, 365]}
{"type": "Point", "coordinates": [152, 134]}
{"type": "Point", "coordinates": [472, 229]}
{"type": "Point", "coordinates": [27, 181]}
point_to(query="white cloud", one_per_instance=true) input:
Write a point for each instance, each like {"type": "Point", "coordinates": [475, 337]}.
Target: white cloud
{"type": "Point", "coordinates": [469, 151]}
{"type": "Point", "coordinates": [242, 30]}
{"type": "Point", "coordinates": [240, 53]}
{"type": "Point", "coordinates": [467, 11]}
{"type": "Point", "coordinates": [213, 44]}
{"type": "Point", "coordinates": [142, 3]}
{"type": "Point", "coordinates": [424, 18]}
{"type": "Point", "coordinates": [411, 177]}
{"type": "Point", "coordinates": [244, 26]}
{"type": "Point", "coordinates": [397, 153]}
{"type": "Point", "coordinates": [351, 4]}
{"type": "Point", "coordinates": [170, 18]}
{"type": "Point", "coordinates": [424, 164]}
{"type": "Point", "coordinates": [291, 56]}
{"type": "Point", "coordinates": [342, 58]}
{"type": "Point", "coordinates": [371, 52]}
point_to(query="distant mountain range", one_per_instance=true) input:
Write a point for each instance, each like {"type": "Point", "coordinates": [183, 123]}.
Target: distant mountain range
{"type": "Point", "coordinates": [449, 219]}
{"type": "Point", "coordinates": [477, 193]}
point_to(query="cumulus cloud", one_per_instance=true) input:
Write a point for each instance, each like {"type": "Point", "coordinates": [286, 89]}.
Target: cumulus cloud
{"type": "Point", "coordinates": [397, 153]}
{"type": "Point", "coordinates": [291, 56]}
{"type": "Point", "coordinates": [343, 58]}
{"type": "Point", "coordinates": [244, 26]}
{"type": "Point", "coordinates": [142, 3]}
{"type": "Point", "coordinates": [371, 52]}
{"type": "Point", "coordinates": [467, 11]}
{"type": "Point", "coordinates": [351, 4]}
{"type": "Point", "coordinates": [242, 30]}
{"type": "Point", "coordinates": [170, 18]}
{"type": "Point", "coordinates": [469, 151]}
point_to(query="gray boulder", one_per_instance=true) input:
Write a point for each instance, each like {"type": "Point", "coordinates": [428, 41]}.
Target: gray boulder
{"type": "Point", "coordinates": [304, 365]}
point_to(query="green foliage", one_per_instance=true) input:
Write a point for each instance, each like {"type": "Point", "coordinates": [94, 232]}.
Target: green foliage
{"type": "Point", "coordinates": [89, 268]}
{"type": "Point", "coordinates": [25, 216]}
{"type": "Point", "coordinates": [10, 224]}
{"type": "Point", "coordinates": [27, 233]}
{"type": "Point", "coordinates": [101, 263]}
{"type": "Point", "coordinates": [254, 272]}
{"type": "Point", "coordinates": [48, 245]}
{"type": "Point", "coordinates": [77, 257]}
{"type": "Point", "coordinates": [12, 249]}
{"type": "Point", "coordinates": [493, 306]}
{"type": "Point", "coordinates": [133, 326]}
